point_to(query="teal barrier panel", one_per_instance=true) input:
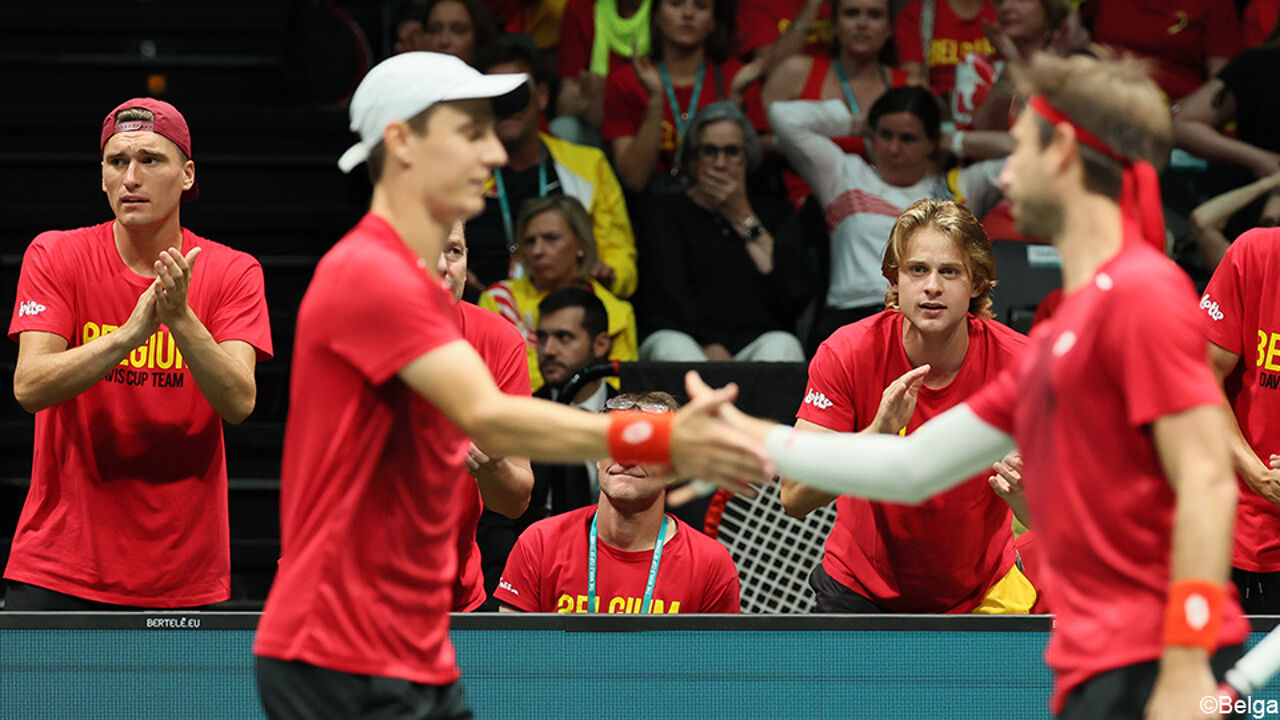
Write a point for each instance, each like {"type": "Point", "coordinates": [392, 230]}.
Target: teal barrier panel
{"type": "Point", "coordinates": [175, 667]}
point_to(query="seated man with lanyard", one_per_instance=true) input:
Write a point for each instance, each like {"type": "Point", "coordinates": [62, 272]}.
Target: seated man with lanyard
{"type": "Point", "coordinates": [608, 557]}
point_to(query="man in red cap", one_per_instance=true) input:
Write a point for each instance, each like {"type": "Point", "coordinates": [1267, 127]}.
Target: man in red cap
{"type": "Point", "coordinates": [1122, 427]}
{"type": "Point", "coordinates": [131, 359]}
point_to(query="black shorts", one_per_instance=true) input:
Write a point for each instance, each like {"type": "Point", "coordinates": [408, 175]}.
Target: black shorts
{"type": "Point", "coordinates": [1259, 592]}
{"type": "Point", "coordinates": [836, 599]}
{"type": "Point", "coordinates": [27, 597]}
{"type": "Point", "coordinates": [292, 690]}
{"type": "Point", "coordinates": [1122, 694]}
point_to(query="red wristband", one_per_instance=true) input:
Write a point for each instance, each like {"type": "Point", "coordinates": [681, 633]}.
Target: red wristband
{"type": "Point", "coordinates": [1193, 614]}
{"type": "Point", "coordinates": [637, 438]}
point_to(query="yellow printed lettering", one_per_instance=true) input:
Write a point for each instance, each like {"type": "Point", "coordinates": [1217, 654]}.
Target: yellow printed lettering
{"type": "Point", "coordinates": [91, 331]}
{"type": "Point", "coordinates": [944, 51]}
{"type": "Point", "coordinates": [564, 604]}
{"type": "Point", "coordinates": [1262, 347]}
{"type": "Point", "coordinates": [165, 352]}
{"type": "Point", "coordinates": [617, 605]}
{"type": "Point", "coordinates": [1273, 349]}
{"type": "Point", "coordinates": [138, 358]}
{"type": "Point", "coordinates": [675, 607]}
{"type": "Point", "coordinates": [582, 604]}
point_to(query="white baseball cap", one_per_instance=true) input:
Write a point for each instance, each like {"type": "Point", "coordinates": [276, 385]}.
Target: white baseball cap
{"type": "Point", "coordinates": [404, 85]}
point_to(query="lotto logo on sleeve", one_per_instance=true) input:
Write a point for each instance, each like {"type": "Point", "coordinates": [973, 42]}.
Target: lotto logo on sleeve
{"type": "Point", "coordinates": [1210, 307]}
{"type": "Point", "coordinates": [31, 307]}
{"type": "Point", "coordinates": [817, 400]}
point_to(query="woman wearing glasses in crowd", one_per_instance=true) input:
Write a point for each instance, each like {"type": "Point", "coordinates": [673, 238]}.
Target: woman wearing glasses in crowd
{"type": "Point", "coordinates": [725, 272]}
{"type": "Point", "coordinates": [557, 250]}
{"type": "Point", "coordinates": [649, 102]}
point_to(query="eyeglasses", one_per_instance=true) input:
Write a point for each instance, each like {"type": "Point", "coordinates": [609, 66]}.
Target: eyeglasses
{"type": "Point", "coordinates": [622, 403]}
{"type": "Point", "coordinates": [732, 153]}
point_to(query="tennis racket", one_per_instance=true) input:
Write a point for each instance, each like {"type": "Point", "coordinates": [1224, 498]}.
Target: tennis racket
{"type": "Point", "coordinates": [1253, 670]}
{"type": "Point", "coordinates": [773, 551]}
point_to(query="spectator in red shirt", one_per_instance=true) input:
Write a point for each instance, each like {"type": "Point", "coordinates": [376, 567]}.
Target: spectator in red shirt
{"type": "Point", "coordinates": [623, 555]}
{"type": "Point", "coordinates": [1190, 40]}
{"type": "Point", "coordinates": [930, 47]}
{"type": "Point", "coordinates": [1241, 318]}
{"type": "Point", "coordinates": [858, 71]}
{"type": "Point", "coordinates": [1259, 18]}
{"type": "Point", "coordinates": [649, 102]}
{"type": "Point", "coordinates": [953, 553]}
{"type": "Point", "coordinates": [131, 354]}
{"type": "Point", "coordinates": [596, 37]}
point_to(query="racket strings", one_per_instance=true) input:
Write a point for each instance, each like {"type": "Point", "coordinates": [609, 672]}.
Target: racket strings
{"type": "Point", "coordinates": [774, 552]}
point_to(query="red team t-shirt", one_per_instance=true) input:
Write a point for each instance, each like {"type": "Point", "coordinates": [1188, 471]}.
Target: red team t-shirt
{"type": "Point", "coordinates": [369, 512]}
{"type": "Point", "coordinates": [1178, 34]}
{"type": "Point", "coordinates": [1240, 314]}
{"type": "Point", "coordinates": [953, 39]}
{"type": "Point", "coordinates": [944, 554]}
{"type": "Point", "coordinates": [128, 498]}
{"type": "Point", "coordinates": [626, 100]}
{"type": "Point", "coordinates": [547, 571]}
{"type": "Point", "coordinates": [1119, 353]}
{"type": "Point", "coordinates": [502, 348]}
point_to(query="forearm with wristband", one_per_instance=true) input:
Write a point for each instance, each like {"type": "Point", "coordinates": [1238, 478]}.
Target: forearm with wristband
{"type": "Point", "coordinates": [1193, 615]}
{"type": "Point", "coordinates": [640, 438]}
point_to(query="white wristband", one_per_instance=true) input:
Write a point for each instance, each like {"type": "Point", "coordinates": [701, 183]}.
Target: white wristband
{"type": "Point", "coordinates": [957, 143]}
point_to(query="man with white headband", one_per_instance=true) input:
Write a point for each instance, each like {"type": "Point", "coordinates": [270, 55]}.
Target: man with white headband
{"type": "Point", "coordinates": [136, 339]}
{"type": "Point", "coordinates": [1122, 428]}
{"type": "Point", "coordinates": [357, 622]}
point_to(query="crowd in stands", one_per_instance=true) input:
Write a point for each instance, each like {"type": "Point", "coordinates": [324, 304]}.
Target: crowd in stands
{"type": "Point", "coordinates": [850, 110]}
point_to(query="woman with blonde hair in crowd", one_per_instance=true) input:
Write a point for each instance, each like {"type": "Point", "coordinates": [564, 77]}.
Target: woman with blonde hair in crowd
{"type": "Point", "coordinates": [557, 249]}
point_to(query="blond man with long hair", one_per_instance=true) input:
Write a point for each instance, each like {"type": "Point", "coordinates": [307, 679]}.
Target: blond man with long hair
{"type": "Point", "coordinates": [954, 553]}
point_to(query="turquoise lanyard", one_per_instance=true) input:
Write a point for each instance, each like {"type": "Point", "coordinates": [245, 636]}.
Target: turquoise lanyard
{"type": "Point", "coordinates": [848, 91]}
{"type": "Point", "coordinates": [506, 205]}
{"type": "Point", "coordinates": [682, 117]}
{"type": "Point", "coordinates": [653, 567]}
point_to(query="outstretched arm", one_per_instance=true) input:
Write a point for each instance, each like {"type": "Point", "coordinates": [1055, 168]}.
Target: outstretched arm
{"type": "Point", "coordinates": [936, 457]}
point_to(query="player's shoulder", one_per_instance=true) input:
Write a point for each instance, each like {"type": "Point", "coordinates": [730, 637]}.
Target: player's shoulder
{"type": "Point", "coordinates": [701, 544]}
{"type": "Point", "coordinates": [71, 241]}
{"type": "Point", "coordinates": [213, 252]}
{"type": "Point", "coordinates": [857, 337]}
{"type": "Point", "coordinates": [489, 325]}
{"type": "Point", "coordinates": [556, 529]}
{"type": "Point", "coordinates": [1143, 275]}
{"type": "Point", "coordinates": [1255, 246]}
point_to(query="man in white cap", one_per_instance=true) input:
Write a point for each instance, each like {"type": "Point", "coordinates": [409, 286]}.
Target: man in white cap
{"type": "Point", "coordinates": [357, 623]}
{"type": "Point", "coordinates": [131, 354]}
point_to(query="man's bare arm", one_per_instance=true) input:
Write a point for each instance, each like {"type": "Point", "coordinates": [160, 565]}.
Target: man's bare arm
{"type": "Point", "coordinates": [223, 371]}
{"type": "Point", "coordinates": [47, 373]}
{"type": "Point", "coordinates": [505, 483]}
{"type": "Point", "coordinates": [454, 379]}
{"type": "Point", "coordinates": [1193, 450]}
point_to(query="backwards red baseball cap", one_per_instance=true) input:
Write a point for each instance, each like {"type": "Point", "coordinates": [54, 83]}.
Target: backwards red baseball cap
{"type": "Point", "coordinates": [167, 122]}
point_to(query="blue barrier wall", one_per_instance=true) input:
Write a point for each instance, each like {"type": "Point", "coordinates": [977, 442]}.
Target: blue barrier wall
{"type": "Point", "coordinates": [546, 668]}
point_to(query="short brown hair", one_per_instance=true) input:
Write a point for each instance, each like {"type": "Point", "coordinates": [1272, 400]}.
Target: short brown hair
{"type": "Point", "coordinates": [659, 397]}
{"type": "Point", "coordinates": [137, 114]}
{"type": "Point", "coordinates": [956, 222]}
{"type": "Point", "coordinates": [378, 155]}
{"type": "Point", "coordinates": [1112, 97]}
{"type": "Point", "coordinates": [575, 216]}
